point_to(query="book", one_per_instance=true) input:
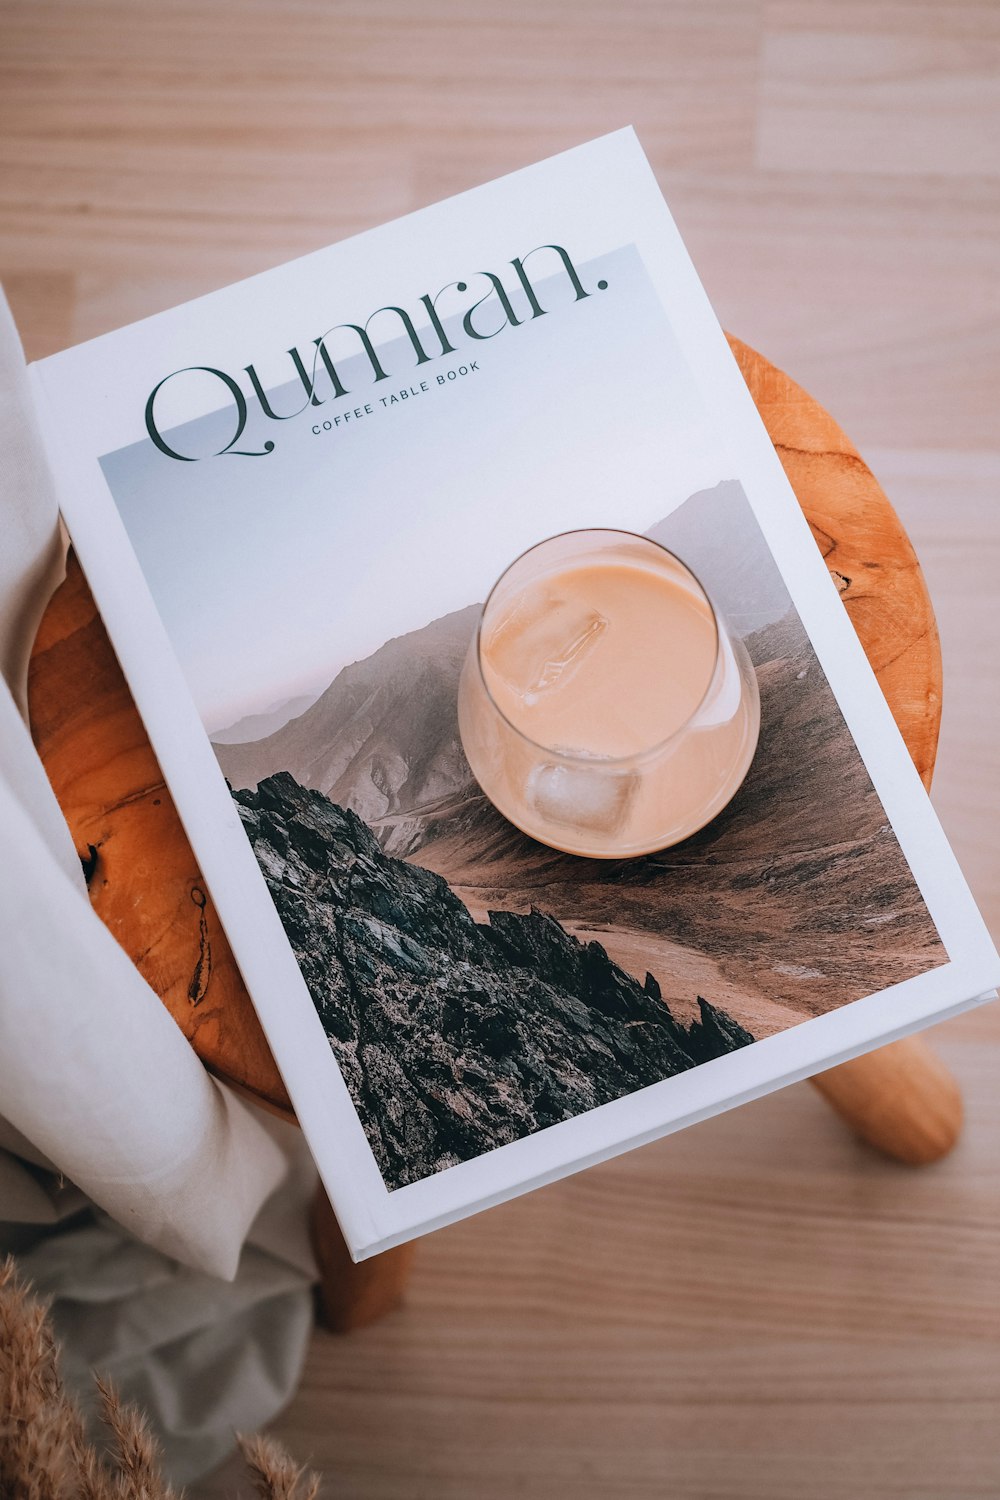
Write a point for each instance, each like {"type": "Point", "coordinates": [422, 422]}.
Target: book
{"type": "Point", "coordinates": [291, 498]}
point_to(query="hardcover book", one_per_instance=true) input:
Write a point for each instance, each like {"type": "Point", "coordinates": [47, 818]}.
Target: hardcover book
{"type": "Point", "coordinates": [291, 499]}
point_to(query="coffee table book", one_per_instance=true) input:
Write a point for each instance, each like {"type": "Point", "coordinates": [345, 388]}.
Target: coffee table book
{"type": "Point", "coordinates": [290, 499]}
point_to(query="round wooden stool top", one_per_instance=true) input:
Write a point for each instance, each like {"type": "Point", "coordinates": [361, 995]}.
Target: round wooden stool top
{"type": "Point", "coordinates": [144, 880]}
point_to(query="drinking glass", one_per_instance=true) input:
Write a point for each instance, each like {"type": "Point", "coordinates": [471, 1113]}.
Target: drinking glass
{"type": "Point", "coordinates": [603, 706]}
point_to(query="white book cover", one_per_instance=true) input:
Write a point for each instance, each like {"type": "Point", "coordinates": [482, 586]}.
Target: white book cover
{"type": "Point", "coordinates": [290, 499]}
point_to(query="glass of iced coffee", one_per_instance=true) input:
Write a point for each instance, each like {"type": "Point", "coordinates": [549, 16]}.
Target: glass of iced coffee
{"type": "Point", "coordinates": [603, 706]}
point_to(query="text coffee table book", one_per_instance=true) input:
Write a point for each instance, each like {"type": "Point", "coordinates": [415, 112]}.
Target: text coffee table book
{"type": "Point", "coordinates": [513, 889]}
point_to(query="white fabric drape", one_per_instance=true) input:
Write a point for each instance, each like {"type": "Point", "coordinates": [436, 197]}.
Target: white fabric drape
{"type": "Point", "coordinates": [97, 1083]}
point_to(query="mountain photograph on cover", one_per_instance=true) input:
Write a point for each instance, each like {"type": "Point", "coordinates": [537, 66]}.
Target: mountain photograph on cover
{"type": "Point", "coordinates": [320, 591]}
{"type": "Point", "coordinates": [477, 986]}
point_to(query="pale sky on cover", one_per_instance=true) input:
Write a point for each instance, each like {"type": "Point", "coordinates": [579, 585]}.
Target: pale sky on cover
{"type": "Point", "coordinates": [273, 573]}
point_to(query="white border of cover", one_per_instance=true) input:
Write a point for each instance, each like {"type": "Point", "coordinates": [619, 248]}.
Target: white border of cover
{"type": "Point", "coordinates": [85, 407]}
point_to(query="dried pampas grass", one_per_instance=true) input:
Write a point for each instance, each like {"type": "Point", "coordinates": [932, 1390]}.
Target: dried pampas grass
{"type": "Point", "coordinates": [275, 1475]}
{"type": "Point", "coordinates": [45, 1453]}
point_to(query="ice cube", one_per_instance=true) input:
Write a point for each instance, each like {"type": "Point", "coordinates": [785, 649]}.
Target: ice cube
{"type": "Point", "coordinates": [587, 793]}
{"type": "Point", "coordinates": [541, 642]}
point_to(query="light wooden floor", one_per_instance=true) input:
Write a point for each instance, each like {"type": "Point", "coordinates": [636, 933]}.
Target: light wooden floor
{"type": "Point", "coordinates": [757, 1308]}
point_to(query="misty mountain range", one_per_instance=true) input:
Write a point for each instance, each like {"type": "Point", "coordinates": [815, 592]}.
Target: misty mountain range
{"type": "Point", "coordinates": [260, 725]}
{"type": "Point", "coordinates": [383, 738]}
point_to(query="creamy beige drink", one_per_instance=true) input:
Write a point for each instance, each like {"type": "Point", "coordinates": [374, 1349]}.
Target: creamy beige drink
{"type": "Point", "coordinates": [603, 708]}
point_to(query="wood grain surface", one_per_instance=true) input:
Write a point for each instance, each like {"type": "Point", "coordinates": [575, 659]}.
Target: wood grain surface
{"type": "Point", "coordinates": [144, 880]}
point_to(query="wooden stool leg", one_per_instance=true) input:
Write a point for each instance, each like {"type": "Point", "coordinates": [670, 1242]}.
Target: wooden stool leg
{"type": "Point", "coordinates": [900, 1099]}
{"type": "Point", "coordinates": [350, 1294]}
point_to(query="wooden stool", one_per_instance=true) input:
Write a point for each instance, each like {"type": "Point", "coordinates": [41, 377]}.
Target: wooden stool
{"type": "Point", "coordinates": [147, 888]}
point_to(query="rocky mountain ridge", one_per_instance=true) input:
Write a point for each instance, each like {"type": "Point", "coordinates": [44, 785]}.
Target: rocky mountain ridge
{"type": "Point", "coordinates": [454, 1036]}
